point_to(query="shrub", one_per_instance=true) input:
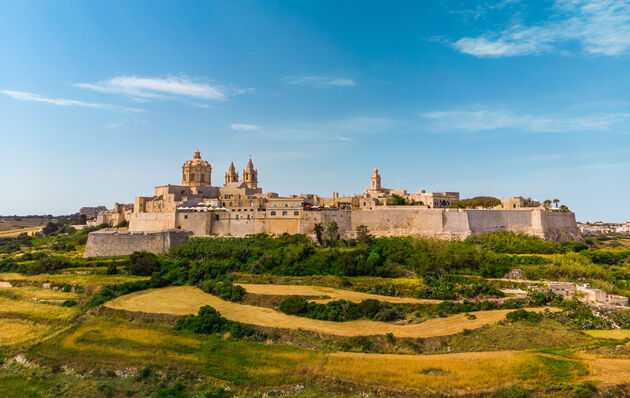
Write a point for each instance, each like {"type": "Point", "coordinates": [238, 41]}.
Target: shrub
{"type": "Point", "coordinates": [523, 315]}
{"type": "Point", "coordinates": [49, 265]}
{"type": "Point", "coordinates": [111, 269]}
{"type": "Point", "coordinates": [143, 263]}
{"type": "Point", "coordinates": [224, 289]}
{"type": "Point", "coordinates": [486, 202]}
{"type": "Point", "coordinates": [294, 305]}
{"type": "Point", "coordinates": [209, 321]}
{"type": "Point", "coordinates": [69, 303]}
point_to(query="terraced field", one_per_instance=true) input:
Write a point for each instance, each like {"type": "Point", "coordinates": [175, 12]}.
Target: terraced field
{"type": "Point", "coordinates": [182, 300]}
{"type": "Point", "coordinates": [328, 292]}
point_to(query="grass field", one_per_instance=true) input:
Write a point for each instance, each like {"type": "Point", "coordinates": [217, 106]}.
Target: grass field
{"type": "Point", "coordinates": [116, 344]}
{"type": "Point", "coordinates": [15, 331]}
{"type": "Point", "coordinates": [329, 292]}
{"type": "Point", "coordinates": [35, 311]}
{"type": "Point", "coordinates": [11, 233]}
{"type": "Point", "coordinates": [73, 279]}
{"type": "Point", "coordinates": [31, 292]}
{"type": "Point", "coordinates": [615, 334]}
{"type": "Point", "coordinates": [182, 300]}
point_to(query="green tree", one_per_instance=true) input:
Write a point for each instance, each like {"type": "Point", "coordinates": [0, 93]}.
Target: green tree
{"type": "Point", "coordinates": [332, 233]}
{"type": "Point", "coordinates": [363, 235]}
{"type": "Point", "coordinates": [143, 263]}
{"type": "Point", "coordinates": [318, 230]}
{"type": "Point", "coordinates": [547, 203]}
{"type": "Point", "coordinates": [556, 201]}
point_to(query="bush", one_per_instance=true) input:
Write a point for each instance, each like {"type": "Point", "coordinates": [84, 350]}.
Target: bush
{"type": "Point", "coordinates": [47, 265]}
{"type": "Point", "coordinates": [523, 315]}
{"type": "Point", "coordinates": [224, 289]}
{"type": "Point", "coordinates": [486, 202]}
{"type": "Point", "coordinates": [69, 303]}
{"type": "Point", "coordinates": [294, 305]}
{"type": "Point", "coordinates": [209, 321]}
{"type": "Point", "coordinates": [143, 263]}
{"type": "Point", "coordinates": [515, 243]}
{"type": "Point", "coordinates": [576, 246]}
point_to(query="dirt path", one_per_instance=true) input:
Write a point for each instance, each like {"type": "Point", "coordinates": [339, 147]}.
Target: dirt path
{"type": "Point", "coordinates": [182, 300]}
{"type": "Point", "coordinates": [332, 293]}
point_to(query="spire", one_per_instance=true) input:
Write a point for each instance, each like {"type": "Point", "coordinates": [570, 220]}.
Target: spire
{"type": "Point", "coordinates": [232, 169]}
{"type": "Point", "coordinates": [250, 165]}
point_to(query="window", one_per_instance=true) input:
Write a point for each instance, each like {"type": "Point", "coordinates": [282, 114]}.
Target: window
{"type": "Point", "coordinates": [273, 213]}
{"type": "Point", "coordinates": [240, 204]}
{"type": "Point", "coordinates": [230, 204]}
{"type": "Point", "coordinates": [186, 216]}
{"type": "Point", "coordinates": [514, 205]}
{"type": "Point", "coordinates": [192, 176]}
{"type": "Point", "coordinates": [275, 205]}
{"type": "Point", "coordinates": [248, 216]}
{"type": "Point", "coordinates": [237, 216]}
{"type": "Point", "coordinates": [284, 213]}
{"type": "Point", "coordinates": [223, 204]}
{"type": "Point", "coordinates": [251, 204]}
{"type": "Point", "coordinates": [296, 213]}
{"type": "Point", "coordinates": [286, 205]}
{"type": "Point", "coordinates": [216, 216]}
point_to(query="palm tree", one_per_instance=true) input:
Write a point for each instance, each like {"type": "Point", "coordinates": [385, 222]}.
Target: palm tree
{"type": "Point", "coordinates": [547, 202]}
{"type": "Point", "coordinates": [556, 201]}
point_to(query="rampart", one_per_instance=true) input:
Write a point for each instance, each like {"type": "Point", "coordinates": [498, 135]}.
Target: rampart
{"type": "Point", "coordinates": [447, 223]}
{"type": "Point", "coordinates": [119, 243]}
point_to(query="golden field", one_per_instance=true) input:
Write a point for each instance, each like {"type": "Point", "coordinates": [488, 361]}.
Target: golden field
{"type": "Point", "coordinates": [183, 300]}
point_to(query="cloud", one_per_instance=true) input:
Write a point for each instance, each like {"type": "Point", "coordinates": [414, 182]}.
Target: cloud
{"type": "Point", "coordinates": [486, 120]}
{"type": "Point", "coordinates": [26, 96]}
{"type": "Point", "coordinates": [150, 88]}
{"type": "Point", "coordinates": [600, 27]}
{"type": "Point", "coordinates": [244, 127]}
{"type": "Point", "coordinates": [320, 81]}
{"type": "Point", "coordinates": [113, 125]}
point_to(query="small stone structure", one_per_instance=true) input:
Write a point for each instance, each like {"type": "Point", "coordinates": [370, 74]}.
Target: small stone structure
{"type": "Point", "coordinates": [111, 242]}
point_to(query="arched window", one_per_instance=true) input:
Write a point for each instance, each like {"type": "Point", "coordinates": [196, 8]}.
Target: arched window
{"type": "Point", "coordinates": [286, 205]}
{"type": "Point", "coordinates": [248, 216]}
{"type": "Point", "coordinates": [237, 216]}
{"type": "Point", "coordinates": [284, 213]}
{"type": "Point", "coordinates": [273, 213]}
{"type": "Point", "coordinates": [230, 204]}
{"type": "Point", "coordinates": [192, 176]}
{"type": "Point", "coordinates": [296, 213]}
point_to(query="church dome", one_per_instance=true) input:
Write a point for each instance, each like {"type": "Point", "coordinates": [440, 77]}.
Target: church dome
{"type": "Point", "coordinates": [196, 160]}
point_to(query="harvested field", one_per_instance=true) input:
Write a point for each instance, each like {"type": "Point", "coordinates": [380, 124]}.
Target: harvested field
{"type": "Point", "coordinates": [182, 300]}
{"type": "Point", "coordinates": [31, 292]}
{"type": "Point", "coordinates": [331, 293]}
{"type": "Point", "coordinates": [35, 311]}
{"type": "Point", "coordinates": [15, 331]}
{"type": "Point", "coordinates": [615, 334]}
{"type": "Point", "coordinates": [12, 233]}
{"type": "Point", "coordinates": [73, 279]}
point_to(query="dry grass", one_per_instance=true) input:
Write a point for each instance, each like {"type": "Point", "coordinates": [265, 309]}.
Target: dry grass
{"type": "Point", "coordinates": [609, 371]}
{"type": "Point", "coordinates": [31, 292]}
{"type": "Point", "coordinates": [184, 300]}
{"type": "Point", "coordinates": [15, 331]}
{"type": "Point", "coordinates": [616, 334]}
{"type": "Point", "coordinates": [73, 279]}
{"type": "Point", "coordinates": [12, 233]}
{"type": "Point", "coordinates": [31, 310]}
{"type": "Point", "coordinates": [449, 373]}
{"type": "Point", "coordinates": [331, 293]}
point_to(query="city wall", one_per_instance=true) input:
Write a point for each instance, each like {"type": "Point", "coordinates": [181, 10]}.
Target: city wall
{"type": "Point", "coordinates": [119, 243]}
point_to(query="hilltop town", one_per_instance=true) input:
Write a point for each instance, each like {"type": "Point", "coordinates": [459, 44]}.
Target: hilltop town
{"type": "Point", "coordinates": [239, 207]}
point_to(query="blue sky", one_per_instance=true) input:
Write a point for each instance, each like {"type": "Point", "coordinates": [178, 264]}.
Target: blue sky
{"type": "Point", "coordinates": [100, 101]}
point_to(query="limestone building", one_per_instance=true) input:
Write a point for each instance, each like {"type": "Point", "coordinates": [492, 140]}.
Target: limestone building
{"type": "Point", "coordinates": [240, 208]}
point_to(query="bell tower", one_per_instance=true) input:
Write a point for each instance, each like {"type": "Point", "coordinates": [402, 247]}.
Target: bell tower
{"type": "Point", "coordinates": [250, 175]}
{"type": "Point", "coordinates": [231, 175]}
{"type": "Point", "coordinates": [375, 181]}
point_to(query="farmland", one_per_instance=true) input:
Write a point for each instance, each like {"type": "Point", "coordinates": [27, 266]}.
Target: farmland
{"type": "Point", "coordinates": [115, 326]}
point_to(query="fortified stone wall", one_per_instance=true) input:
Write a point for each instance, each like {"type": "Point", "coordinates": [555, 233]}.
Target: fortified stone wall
{"type": "Point", "coordinates": [446, 223]}
{"type": "Point", "coordinates": [119, 243]}
{"type": "Point", "coordinates": [151, 222]}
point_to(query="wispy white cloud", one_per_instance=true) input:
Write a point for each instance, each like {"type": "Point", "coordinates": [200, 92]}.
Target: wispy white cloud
{"type": "Point", "coordinates": [151, 88]}
{"type": "Point", "coordinates": [113, 125]}
{"type": "Point", "coordinates": [244, 127]}
{"type": "Point", "coordinates": [320, 81]}
{"type": "Point", "coordinates": [26, 96]}
{"type": "Point", "coordinates": [600, 27]}
{"type": "Point", "coordinates": [485, 120]}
